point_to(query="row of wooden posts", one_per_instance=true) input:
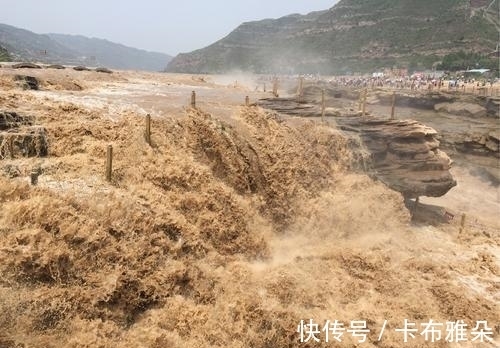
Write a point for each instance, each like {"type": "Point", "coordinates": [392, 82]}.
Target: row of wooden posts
{"type": "Point", "coordinates": [147, 133]}
{"type": "Point", "coordinates": [300, 97]}
{"type": "Point", "coordinates": [362, 103]}
{"type": "Point", "coordinates": [362, 100]}
{"type": "Point", "coordinates": [476, 90]}
{"type": "Point", "coordinates": [193, 102]}
{"type": "Point", "coordinates": [147, 137]}
{"type": "Point", "coordinates": [480, 91]}
{"type": "Point", "coordinates": [109, 152]}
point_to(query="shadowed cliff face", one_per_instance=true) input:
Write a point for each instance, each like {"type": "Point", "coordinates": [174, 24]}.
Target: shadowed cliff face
{"type": "Point", "coordinates": [354, 35]}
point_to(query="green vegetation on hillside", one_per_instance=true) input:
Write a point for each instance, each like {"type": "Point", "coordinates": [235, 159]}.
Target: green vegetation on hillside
{"type": "Point", "coordinates": [4, 55]}
{"type": "Point", "coordinates": [463, 61]}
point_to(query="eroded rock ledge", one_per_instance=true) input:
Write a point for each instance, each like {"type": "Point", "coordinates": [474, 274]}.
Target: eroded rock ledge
{"type": "Point", "coordinates": [20, 138]}
{"type": "Point", "coordinates": [404, 154]}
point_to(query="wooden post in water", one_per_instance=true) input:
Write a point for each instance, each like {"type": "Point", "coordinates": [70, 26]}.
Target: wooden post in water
{"type": "Point", "coordinates": [11, 146]}
{"type": "Point", "coordinates": [300, 89]}
{"type": "Point", "coordinates": [415, 207]}
{"type": "Point", "coordinates": [462, 224]}
{"type": "Point", "coordinates": [193, 100]}
{"type": "Point", "coordinates": [364, 102]}
{"type": "Point", "coordinates": [275, 87]}
{"type": "Point", "coordinates": [148, 129]}
{"type": "Point", "coordinates": [35, 172]}
{"type": "Point", "coordinates": [109, 162]}
{"type": "Point", "coordinates": [323, 106]}
{"type": "Point", "coordinates": [247, 101]}
{"type": "Point", "coordinates": [393, 109]}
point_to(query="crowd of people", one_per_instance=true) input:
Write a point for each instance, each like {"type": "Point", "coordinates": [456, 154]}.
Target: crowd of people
{"type": "Point", "coordinates": [412, 83]}
{"type": "Point", "coordinates": [416, 82]}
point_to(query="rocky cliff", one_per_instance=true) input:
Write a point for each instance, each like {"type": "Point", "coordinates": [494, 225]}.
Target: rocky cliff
{"type": "Point", "coordinates": [403, 154]}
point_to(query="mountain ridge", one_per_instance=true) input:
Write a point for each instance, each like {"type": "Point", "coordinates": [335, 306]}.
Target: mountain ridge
{"type": "Point", "coordinates": [24, 45]}
{"type": "Point", "coordinates": [111, 54]}
{"type": "Point", "coordinates": [353, 34]}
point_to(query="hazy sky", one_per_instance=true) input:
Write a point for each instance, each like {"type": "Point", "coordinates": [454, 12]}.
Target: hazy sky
{"type": "Point", "coordinates": [164, 26]}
